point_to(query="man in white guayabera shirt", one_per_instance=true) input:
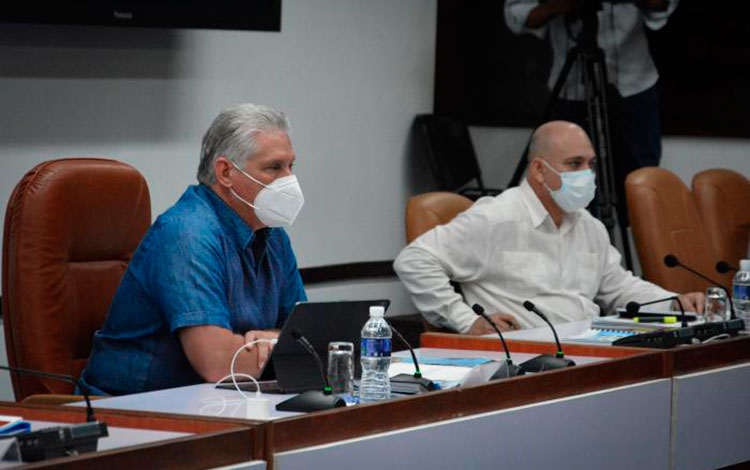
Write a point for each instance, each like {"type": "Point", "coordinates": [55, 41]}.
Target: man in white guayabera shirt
{"type": "Point", "coordinates": [632, 93]}
{"type": "Point", "coordinates": [534, 242]}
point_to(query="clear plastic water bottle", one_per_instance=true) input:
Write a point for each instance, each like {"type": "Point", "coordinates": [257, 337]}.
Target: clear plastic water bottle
{"type": "Point", "coordinates": [375, 384]}
{"type": "Point", "coordinates": [741, 293]}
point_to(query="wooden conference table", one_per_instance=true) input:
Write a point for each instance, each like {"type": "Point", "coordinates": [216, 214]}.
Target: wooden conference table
{"type": "Point", "coordinates": [149, 440]}
{"type": "Point", "coordinates": [577, 417]}
{"type": "Point", "coordinates": [709, 397]}
{"type": "Point", "coordinates": [619, 408]}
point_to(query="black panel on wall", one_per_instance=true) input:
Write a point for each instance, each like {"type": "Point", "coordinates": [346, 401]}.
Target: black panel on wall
{"type": "Point", "coordinates": [486, 75]}
{"type": "Point", "coordinates": [262, 15]}
{"type": "Point", "coordinates": [703, 55]}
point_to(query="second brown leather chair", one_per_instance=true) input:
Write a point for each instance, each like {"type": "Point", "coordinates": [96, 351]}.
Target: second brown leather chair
{"type": "Point", "coordinates": [71, 227]}
{"type": "Point", "coordinates": [665, 220]}
{"type": "Point", "coordinates": [425, 211]}
{"type": "Point", "coordinates": [723, 198]}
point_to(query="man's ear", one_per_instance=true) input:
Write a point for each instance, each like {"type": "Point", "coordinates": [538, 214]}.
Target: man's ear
{"type": "Point", "coordinates": [223, 171]}
{"type": "Point", "coordinates": [536, 169]}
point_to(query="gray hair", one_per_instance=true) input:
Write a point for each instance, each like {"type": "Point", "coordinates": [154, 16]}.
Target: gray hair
{"type": "Point", "coordinates": [232, 134]}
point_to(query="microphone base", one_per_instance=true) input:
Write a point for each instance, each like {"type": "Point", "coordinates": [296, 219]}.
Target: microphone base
{"type": "Point", "coordinates": [662, 339]}
{"type": "Point", "coordinates": [58, 441]}
{"type": "Point", "coordinates": [311, 400]}
{"type": "Point", "coordinates": [508, 370]}
{"type": "Point", "coordinates": [546, 362]}
{"type": "Point", "coordinates": [410, 385]}
{"type": "Point", "coordinates": [729, 327]}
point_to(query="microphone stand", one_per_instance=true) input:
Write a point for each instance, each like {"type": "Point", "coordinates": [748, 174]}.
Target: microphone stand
{"type": "Point", "coordinates": [708, 330]}
{"type": "Point", "coordinates": [311, 400]}
{"type": "Point", "coordinates": [661, 339]}
{"type": "Point", "coordinates": [65, 378]}
{"type": "Point", "coordinates": [632, 308]}
{"type": "Point", "coordinates": [683, 319]}
{"type": "Point", "coordinates": [545, 361]}
{"type": "Point", "coordinates": [60, 441]}
{"type": "Point", "coordinates": [671, 261]}
{"type": "Point", "coordinates": [511, 370]}
{"type": "Point", "coordinates": [415, 383]}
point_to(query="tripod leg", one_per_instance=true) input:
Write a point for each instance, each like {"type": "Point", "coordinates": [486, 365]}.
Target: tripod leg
{"type": "Point", "coordinates": [570, 60]}
{"type": "Point", "coordinates": [595, 83]}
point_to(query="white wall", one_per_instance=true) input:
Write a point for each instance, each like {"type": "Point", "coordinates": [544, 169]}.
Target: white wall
{"type": "Point", "coordinates": [351, 74]}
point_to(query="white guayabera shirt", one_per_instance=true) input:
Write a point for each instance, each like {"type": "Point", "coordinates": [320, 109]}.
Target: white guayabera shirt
{"type": "Point", "coordinates": [507, 249]}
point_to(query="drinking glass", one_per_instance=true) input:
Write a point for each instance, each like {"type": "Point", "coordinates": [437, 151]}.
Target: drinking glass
{"type": "Point", "coordinates": [341, 367]}
{"type": "Point", "coordinates": [716, 305]}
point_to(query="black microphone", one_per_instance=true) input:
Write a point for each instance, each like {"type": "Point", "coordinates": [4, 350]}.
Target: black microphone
{"type": "Point", "coordinates": [410, 384]}
{"type": "Point", "coordinates": [58, 441]}
{"type": "Point", "coordinates": [722, 267]}
{"type": "Point", "coordinates": [511, 370]}
{"type": "Point", "coordinates": [633, 307]}
{"type": "Point", "coordinates": [65, 378]}
{"type": "Point", "coordinates": [311, 400]}
{"type": "Point", "coordinates": [671, 261]}
{"type": "Point", "coordinates": [300, 338]}
{"type": "Point", "coordinates": [546, 361]}
{"type": "Point", "coordinates": [686, 334]}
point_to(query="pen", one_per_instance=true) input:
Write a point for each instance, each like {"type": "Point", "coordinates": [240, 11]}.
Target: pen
{"type": "Point", "coordinates": [664, 319]}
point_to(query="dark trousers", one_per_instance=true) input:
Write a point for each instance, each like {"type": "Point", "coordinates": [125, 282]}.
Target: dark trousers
{"type": "Point", "coordinates": [635, 134]}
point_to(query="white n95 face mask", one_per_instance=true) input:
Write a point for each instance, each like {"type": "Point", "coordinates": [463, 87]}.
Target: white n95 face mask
{"type": "Point", "coordinates": [278, 203]}
{"type": "Point", "coordinates": [577, 191]}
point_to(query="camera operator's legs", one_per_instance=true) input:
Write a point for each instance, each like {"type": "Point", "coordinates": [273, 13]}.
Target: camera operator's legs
{"type": "Point", "coordinates": [639, 124]}
{"type": "Point", "coordinates": [636, 138]}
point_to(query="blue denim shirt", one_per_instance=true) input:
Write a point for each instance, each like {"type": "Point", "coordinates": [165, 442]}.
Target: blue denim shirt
{"type": "Point", "coordinates": [196, 266]}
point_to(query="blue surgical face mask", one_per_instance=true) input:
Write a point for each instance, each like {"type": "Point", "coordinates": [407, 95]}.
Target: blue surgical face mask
{"type": "Point", "coordinates": [577, 191]}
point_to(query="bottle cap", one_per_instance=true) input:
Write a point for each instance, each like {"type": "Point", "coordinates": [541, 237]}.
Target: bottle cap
{"type": "Point", "coordinates": [745, 265]}
{"type": "Point", "coordinates": [377, 311]}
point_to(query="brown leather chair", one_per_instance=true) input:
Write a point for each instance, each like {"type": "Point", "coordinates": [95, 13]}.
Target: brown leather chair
{"type": "Point", "coordinates": [723, 198]}
{"type": "Point", "coordinates": [71, 227]}
{"type": "Point", "coordinates": [665, 219]}
{"type": "Point", "coordinates": [428, 210]}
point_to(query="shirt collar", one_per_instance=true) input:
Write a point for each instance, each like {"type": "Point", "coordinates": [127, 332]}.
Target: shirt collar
{"type": "Point", "coordinates": [536, 209]}
{"type": "Point", "coordinates": [539, 213]}
{"type": "Point", "coordinates": [229, 219]}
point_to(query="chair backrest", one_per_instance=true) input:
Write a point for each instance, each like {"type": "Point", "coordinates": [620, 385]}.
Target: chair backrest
{"type": "Point", "coordinates": [723, 198]}
{"type": "Point", "coordinates": [665, 220]}
{"type": "Point", "coordinates": [428, 210]}
{"type": "Point", "coordinates": [450, 151]}
{"type": "Point", "coordinates": [71, 227]}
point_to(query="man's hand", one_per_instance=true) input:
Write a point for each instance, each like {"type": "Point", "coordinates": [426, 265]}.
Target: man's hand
{"type": "Point", "coordinates": [692, 301]}
{"type": "Point", "coordinates": [503, 321]}
{"type": "Point", "coordinates": [264, 347]}
{"type": "Point", "coordinates": [210, 348]}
